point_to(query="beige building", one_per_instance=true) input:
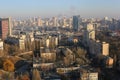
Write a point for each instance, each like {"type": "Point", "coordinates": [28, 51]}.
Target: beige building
{"type": "Point", "coordinates": [66, 70]}
{"type": "Point", "coordinates": [48, 56]}
{"type": "Point", "coordinates": [89, 76]}
{"type": "Point", "coordinates": [70, 23]}
{"type": "Point", "coordinates": [47, 42]}
{"type": "Point", "coordinates": [88, 73]}
{"type": "Point", "coordinates": [105, 48]}
{"type": "Point", "coordinates": [10, 26]}
{"type": "Point", "coordinates": [64, 23]}
{"type": "Point", "coordinates": [40, 22]}
{"type": "Point", "coordinates": [1, 45]}
{"type": "Point", "coordinates": [21, 44]}
{"type": "Point", "coordinates": [54, 21]}
{"type": "Point", "coordinates": [109, 62]}
{"type": "Point", "coordinates": [51, 42]}
{"type": "Point", "coordinates": [44, 66]}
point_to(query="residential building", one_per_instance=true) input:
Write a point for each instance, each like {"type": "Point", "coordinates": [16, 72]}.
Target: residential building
{"type": "Point", "coordinates": [4, 26]}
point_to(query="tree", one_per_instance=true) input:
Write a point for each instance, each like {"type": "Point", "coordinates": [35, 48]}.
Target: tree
{"type": "Point", "coordinates": [1, 63]}
{"type": "Point", "coordinates": [66, 61]}
{"type": "Point", "coordinates": [23, 77]}
{"type": "Point", "coordinates": [8, 65]}
{"type": "Point", "coordinates": [11, 49]}
{"type": "Point", "coordinates": [81, 52]}
{"type": "Point", "coordinates": [36, 75]}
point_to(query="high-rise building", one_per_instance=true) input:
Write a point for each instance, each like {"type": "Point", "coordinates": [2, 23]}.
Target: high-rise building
{"type": "Point", "coordinates": [75, 23]}
{"type": "Point", "coordinates": [70, 23]}
{"type": "Point", "coordinates": [10, 26]}
{"type": "Point", "coordinates": [46, 23]}
{"type": "Point", "coordinates": [105, 48]}
{"type": "Point", "coordinates": [4, 26]}
{"type": "Point", "coordinates": [91, 31]}
{"type": "Point", "coordinates": [64, 24]}
{"type": "Point", "coordinates": [21, 44]}
{"type": "Point", "coordinates": [40, 22]}
{"type": "Point", "coordinates": [54, 21]}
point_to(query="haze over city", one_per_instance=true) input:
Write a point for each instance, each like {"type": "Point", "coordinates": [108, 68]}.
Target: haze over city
{"type": "Point", "coordinates": [50, 8]}
{"type": "Point", "coordinates": [59, 40]}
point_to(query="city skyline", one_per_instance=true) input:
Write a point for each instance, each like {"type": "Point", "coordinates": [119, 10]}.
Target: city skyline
{"type": "Point", "coordinates": [49, 8]}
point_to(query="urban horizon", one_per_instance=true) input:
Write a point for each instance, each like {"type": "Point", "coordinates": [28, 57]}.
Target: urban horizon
{"type": "Point", "coordinates": [59, 17]}
{"type": "Point", "coordinates": [47, 9]}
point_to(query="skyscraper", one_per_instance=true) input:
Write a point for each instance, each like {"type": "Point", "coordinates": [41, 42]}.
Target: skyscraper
{"type": "Point", "coordinates": [76, 22]}
{"type": "Point", "coordinates": [4, 26]}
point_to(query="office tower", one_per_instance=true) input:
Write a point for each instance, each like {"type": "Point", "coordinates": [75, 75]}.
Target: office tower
{"type": "Point", "coordinates": [4, 26]}
{"type": "Point", "coordinates": [75, 23]}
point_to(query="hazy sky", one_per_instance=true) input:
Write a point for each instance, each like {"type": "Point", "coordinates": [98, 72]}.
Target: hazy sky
{"type": "Point", "coordinates": [48, 8]}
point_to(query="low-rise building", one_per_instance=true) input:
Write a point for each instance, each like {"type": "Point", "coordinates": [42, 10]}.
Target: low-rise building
{"type": "Point", "coordinates": [87, 73]}
{"type": "Point", "coordinates": [48, 55]}
{"type": "Point", "coordinates": [44, 66]}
